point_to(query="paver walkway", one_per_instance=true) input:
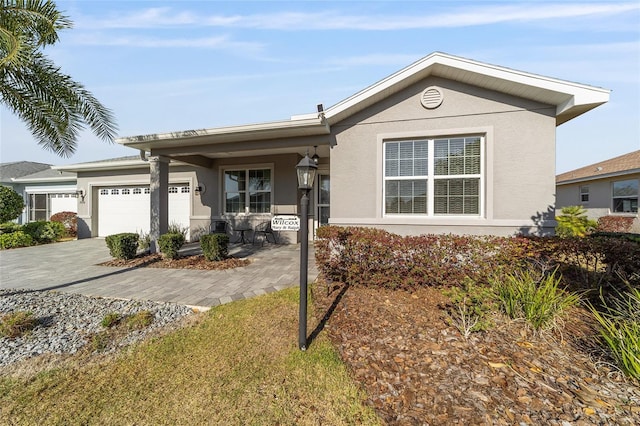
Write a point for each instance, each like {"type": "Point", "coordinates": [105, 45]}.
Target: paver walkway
{"type": "Point", "coordinates": [72, 267]}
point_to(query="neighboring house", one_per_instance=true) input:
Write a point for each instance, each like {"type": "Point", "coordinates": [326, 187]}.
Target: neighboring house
{"type": "Point", "coordinates": [446, 144]}
{"type": "Point", "coordinates": [610, 187]}
{"type": "Point", "coordinates": [45, 191]}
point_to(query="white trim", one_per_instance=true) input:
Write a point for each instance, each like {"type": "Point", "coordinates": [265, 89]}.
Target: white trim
{"type": "Point", "coordinates": [438, 221]}
{"type": "Point", "coordinates": [244, 167]}
{"type": "Point", "coordinates": [486, 169]}
{"type": "Point", "coordinates": [50, 189]}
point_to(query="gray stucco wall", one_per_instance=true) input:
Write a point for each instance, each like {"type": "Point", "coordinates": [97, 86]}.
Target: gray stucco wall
{"type": "Point", "coordinates": [600, 195]}
{"type": "Point", "coordinates": [205, 206]}
{"type": "Point", "coordinates": [519, 183]}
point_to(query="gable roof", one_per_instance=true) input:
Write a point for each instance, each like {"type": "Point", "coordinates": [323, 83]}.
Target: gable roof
{"type": "Point", "coordinates": [617, 166]}
{"type": "Point", "coordinates": [570, 100]}
{"type": "Point", "coordinates": [17, 169]}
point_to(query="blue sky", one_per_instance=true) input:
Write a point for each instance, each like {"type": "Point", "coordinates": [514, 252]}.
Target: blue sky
{"type": "Point", "coordinates": [164, 66]}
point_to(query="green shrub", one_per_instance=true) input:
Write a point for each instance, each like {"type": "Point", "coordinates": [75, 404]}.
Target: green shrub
{"type": "Point", "coordinates": [176, 228]}
{"type": "Point", "coordinates": [471, 307]}
{"type": "Point", "coordinates": [144, 241]}
{"type": "Point", "coordinates": [373, 257]}
{"type": "Point", "coordinates": [139, 320]}
{"type": "Point", "coordinates": [15, 239]}
{"type": "Point", "coordinates": [123, 246]}
{"type": "Point", "coordinates": [44, 232]}
{"type": "Point", "coordinates": [533, 296]}
{"type": "Point", "coordinates": [69, 220]}
{"type": "Point", "coordinates": [111, 320]}
{"type": "Point", "coordinates": [11, 204]}
{"type": "Point", "coordinates": [619, 324]}
{"type": "Point", "coordinates": [215, 246]}
{"type": "Point", "coordinates": [9, 227]}
{"type": "Point", "coordinates": [170, 244]}
{"type": "Point", "coordinates": [17, 323]}
{"type": "Point", "coordinates": [573, 222]}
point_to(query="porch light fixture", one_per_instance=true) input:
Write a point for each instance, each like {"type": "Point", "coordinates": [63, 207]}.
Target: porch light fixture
{"type": "Point", "coordinates": [315, 157]}
{"type": "Point", "coordinates": [200, 189]}
{"type": "Point", "coordinates": [80, 193]}
{"type": "Point", "coordinates": [306, 170]}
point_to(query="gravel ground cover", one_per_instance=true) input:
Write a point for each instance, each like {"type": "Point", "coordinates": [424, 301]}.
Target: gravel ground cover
{"type": "Point", "coordinates": [66, 323]}
{"type": "Point", "coordinates": [417, 368]}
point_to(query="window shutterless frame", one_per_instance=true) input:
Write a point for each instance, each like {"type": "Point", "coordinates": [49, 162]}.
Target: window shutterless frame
{"type": "Point", "coordinates": [434, 177]}
{"type": "Point", "coordinates": [247, 190]}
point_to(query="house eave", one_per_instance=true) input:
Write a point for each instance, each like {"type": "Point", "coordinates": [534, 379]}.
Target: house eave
{"type": "Point", "coordinates": [599, 177]}
{"type": "Point", "coordinates": [570, 99]}
{"type": "Point", "coordinates": [296, 127]}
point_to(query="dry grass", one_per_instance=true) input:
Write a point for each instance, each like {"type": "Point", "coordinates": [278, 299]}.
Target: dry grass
{"type": "Point", "coordinates": [239, 365]}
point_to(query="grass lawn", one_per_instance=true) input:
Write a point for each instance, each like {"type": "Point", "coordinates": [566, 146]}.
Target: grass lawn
{"type": "Point", "coordinates": [238, 365]}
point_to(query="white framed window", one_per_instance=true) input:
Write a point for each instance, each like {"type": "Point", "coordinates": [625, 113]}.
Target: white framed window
{"type": "Point", "coordinates": [115, 191]}
{"type": "Point", "coordinates": [185, 190]}
{"type": "Point", "coordinates": [434, 177]}
{"type": "Point", "coordinates": [104, 192]}
{"type": "Point", "coordinates": [247, 191]}
{"type": "Point", "coordinates": [173, 190]}
{"type": "Point", "coordinates": [137, 191]}
{"type": "Point", "coordinates": [584, 194]}
{"type": "Point", "coordinates": [126, 191]}
{"type": "Point", "coordinates": [625, 196]}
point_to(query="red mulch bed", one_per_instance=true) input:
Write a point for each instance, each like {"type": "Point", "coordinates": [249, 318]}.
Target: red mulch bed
{"type": "Point", "coordinates": [418, 369]}
{"type": "Point", "coordinates": [183, 262]}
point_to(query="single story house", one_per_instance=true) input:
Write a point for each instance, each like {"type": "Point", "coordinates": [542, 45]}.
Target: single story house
{"type": "Point", "coordinates": [610, 187]}
{"type": "Point", "coordinates": [45, 191]}
{"type": "Point", "coordinates": [447, 144]}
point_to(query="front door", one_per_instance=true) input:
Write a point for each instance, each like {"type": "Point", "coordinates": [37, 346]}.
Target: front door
{"type": "Point", "coordinates": [322, 202]}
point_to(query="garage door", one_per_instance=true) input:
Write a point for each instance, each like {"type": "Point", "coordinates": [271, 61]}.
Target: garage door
{"type": "Point", "coordinates": [127, 208]}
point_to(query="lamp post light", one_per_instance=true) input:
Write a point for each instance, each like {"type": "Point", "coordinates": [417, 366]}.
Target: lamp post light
{"type": "Point", "coordinates": [306, 170]}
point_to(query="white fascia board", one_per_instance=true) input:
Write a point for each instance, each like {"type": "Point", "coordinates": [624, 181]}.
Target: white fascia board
{"type": "Point", "coordinates": [70, 189]}
{"type": "Point", "coordinates": [106, 165]}
{"type": "Point", "coordinates": [297, 126]}
{"type": "Point", "coordinates": [49, 179]}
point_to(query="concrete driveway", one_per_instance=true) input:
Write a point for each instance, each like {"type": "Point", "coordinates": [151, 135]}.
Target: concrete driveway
{"type": "Point", "coordinates": [72, 267]}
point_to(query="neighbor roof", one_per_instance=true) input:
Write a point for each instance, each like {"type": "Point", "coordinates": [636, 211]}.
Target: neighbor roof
{"type": "Point", "coordinates": [570, 100]}
{"type": "Point", "coordinates": [17, 169]}
{"type": "Point", "coordinates": [48, 175]}
{"type": "Point", "coordinates": [622, 165]}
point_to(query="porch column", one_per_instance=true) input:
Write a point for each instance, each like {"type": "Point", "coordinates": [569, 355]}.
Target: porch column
{"type": "Point", "coordinates": [159, 186]}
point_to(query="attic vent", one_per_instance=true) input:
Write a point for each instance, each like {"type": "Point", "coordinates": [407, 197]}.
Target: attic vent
{"type": "Point", "coordinates": [431, 97]}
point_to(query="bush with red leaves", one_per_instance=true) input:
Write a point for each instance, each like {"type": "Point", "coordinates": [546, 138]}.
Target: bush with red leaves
{"type": "Point", "coordinates": [69, 220]}
{"type": "Point", "coordinates": [373, 257]}
{"type": "Point", "coordinates": [615, 224]}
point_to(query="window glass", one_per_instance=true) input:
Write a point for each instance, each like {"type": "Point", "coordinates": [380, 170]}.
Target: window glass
{"type": "Point", "coordinates": [625, 196]}
{"type": "Point", "coordinates": [248, 191]}
{"type": "Point", "coordinates": [452, 165]}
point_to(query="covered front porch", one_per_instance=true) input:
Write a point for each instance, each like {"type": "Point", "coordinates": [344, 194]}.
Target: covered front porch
{"type": "Point", "coordinates": [242, 175]}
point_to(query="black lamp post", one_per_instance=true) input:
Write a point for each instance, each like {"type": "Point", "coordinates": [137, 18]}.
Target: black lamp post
{"type": "Point", "coordinates": [306, 170]}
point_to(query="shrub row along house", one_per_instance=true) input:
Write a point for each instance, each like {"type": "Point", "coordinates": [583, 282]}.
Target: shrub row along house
{"type": "Point", "coordinates": [447, 144]}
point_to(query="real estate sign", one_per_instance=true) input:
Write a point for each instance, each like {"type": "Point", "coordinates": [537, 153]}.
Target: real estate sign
{"type": "Point", "coordinates": [285, 223]}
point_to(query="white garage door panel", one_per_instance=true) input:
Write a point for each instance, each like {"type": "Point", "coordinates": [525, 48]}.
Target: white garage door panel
{"type": "Point", "coordinates": [63, 203]}
{"type": "Point", "coordinates": [127, 209]}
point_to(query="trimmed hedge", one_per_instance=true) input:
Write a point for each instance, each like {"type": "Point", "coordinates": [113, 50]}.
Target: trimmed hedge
{"type": "Point", "coordinates": [123, 246]}
{"type": "Point", "coordinates": [15, 239]}
{"type": "Point", "coordinates": [44, 232]}
{"type": "Point", "coordinates": [215, 246]}
{"type": "Point", "coordinates": [170, 244]}
{"type": "Point", "coordinates": [373, 257]}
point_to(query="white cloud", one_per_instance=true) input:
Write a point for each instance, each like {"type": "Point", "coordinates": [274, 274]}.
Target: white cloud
{"type": "Point", "coordinates": [336, 20]}
{"type": "Point", "coordinates": [222, 42]}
